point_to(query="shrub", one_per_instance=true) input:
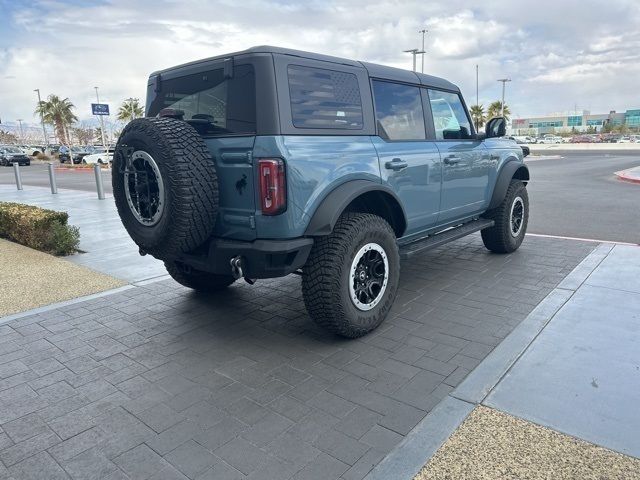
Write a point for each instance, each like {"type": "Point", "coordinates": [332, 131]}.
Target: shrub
{"type": "Point", "coordinates": [38, 228]}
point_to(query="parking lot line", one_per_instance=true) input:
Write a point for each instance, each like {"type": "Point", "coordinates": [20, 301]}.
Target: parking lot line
{"type": "Point", "coordinates": [593, 240]}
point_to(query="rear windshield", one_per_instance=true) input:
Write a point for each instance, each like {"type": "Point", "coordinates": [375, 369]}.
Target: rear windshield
{"type": "Point", "coordinates": [215, 105]}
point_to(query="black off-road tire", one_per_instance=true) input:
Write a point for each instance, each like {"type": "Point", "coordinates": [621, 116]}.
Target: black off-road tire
{"type": "Point", "coordinates": [499, 238]}
{"type": "Point", "coordinates": [326, 275]}
{"type": "Point", "coordinates": [190, 183]}
{"type": "Point", "coordinates": [197, 280]}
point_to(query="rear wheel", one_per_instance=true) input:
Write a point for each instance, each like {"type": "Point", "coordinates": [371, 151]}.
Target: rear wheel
{"type": "Point", "coordinates": [197, 280]}
{"type": "Point", "coordinates": [511, 218]}
{"type": "Point", "coordinates": [351, 277]}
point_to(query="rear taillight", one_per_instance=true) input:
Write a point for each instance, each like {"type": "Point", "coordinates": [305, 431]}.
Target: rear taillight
{"type": "Point", "coordinates": [273, 187]}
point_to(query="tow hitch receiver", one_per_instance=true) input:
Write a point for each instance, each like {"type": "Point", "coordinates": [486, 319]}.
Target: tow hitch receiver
{"type": "Point", "coordinates": [236, 267]}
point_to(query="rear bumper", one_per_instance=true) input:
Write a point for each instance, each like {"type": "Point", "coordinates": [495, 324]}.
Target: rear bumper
{"type": "Point", "coordinates": [260, 258]}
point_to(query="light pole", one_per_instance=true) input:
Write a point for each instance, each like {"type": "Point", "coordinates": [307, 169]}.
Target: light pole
{"type": "Point", "coordinates": [414, 52]}
{"type": "Point", "coordinates": [130, 100]}
{"type": "Point", "coordinates": [423, 31]}
{"type": "Point", "coordinates": [504, 82]}
{"type": "Point", "coordinates": [477, 99]}
{"type": "Point", "coordinates": [21, 134]}
{"type": "Point", "coordinates": [44, 131]}
{"type": "Point", "coordinates": [104, 144]}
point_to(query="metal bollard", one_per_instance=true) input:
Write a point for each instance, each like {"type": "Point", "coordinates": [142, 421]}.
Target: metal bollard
{"type": "Point", "coordinates": [16, 171]}
{"type": "Point", "coordinates": [52, 179]}
{"type": "Point", "coordinates": [99, 186]}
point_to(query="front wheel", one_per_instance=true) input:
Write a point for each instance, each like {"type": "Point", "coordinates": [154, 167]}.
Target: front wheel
{"type": "Point", "coordinates": [511, 218]}
{"type": "Point", "coordinates": [351, 277]}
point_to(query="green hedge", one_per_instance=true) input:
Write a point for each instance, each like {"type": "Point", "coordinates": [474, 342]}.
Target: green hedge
{"type": "Point", "coordinates": [38, 228]}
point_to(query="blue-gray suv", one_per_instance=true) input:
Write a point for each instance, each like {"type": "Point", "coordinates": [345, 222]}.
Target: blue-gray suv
{"type": "Point", "coordinates": [271, 161]}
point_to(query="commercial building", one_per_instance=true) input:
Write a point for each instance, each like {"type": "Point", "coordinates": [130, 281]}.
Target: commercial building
{"type": "Point", "coordinates": [574, 122]}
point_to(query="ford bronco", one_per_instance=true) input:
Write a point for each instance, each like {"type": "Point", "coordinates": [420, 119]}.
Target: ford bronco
{"type": "Point", "coordinates": [272, 161]}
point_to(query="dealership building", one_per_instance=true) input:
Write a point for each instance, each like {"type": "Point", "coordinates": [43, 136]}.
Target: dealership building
{"type": "Point", "coordinates": [573, 122]}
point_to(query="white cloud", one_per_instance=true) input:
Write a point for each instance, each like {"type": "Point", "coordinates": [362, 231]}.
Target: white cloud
{"type": "Point", "coordinates": [558, 53]}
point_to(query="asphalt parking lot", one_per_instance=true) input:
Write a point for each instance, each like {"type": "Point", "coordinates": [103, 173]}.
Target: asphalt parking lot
{"type": "Point", "coordinates": [37, 175]}
{"type": "Point", "coordinates": [579, 196]}
{"type": "Point", "coordinates": [576, 195]}
{"type": "Point", "coordinates": [160, 382]}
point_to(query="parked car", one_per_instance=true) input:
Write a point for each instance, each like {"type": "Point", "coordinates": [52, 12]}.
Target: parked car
{"type": "Point", "coordinates": [53, 149]}
{"type": "Point", "coordinates": [101, 155]}
{"type": "Point", "coordinates": [80, 152]}
{"type": "Point", "coordinates": [10, 155]}
{"type": "Point", "coordinates": [550, 139]}
{"type": "Point", "coordinates": [63, 154]}
{"type": "Point", "coordinates": [524, 139]}
{"type": "Point", "coordinates": [31, 150]}
{"type": "Point", "coordinates": [353, 167]}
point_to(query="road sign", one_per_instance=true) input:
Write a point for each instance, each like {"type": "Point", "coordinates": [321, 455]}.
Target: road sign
{"type": "Point", "coordinates": [100, 108]}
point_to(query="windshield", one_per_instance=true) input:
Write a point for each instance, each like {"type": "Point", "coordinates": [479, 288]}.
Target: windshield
{"type": "Point", "coordinates": [211, 103]}
{"type": "Point", "coordinates": [12, 150]}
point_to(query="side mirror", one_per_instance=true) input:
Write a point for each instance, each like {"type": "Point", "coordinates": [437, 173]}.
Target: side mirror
{"type": "Point", "coordinates": [496, 127]}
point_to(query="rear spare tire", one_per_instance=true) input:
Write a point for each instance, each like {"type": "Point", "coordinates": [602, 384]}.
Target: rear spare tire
{"type": "Point", "coordinates": [165, 186]}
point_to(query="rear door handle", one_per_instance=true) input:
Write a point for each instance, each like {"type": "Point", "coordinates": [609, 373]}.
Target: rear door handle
{"type": "Point", "coordinates": [451, 160]}
{"type": "Point", "coordinates": [396, 164]}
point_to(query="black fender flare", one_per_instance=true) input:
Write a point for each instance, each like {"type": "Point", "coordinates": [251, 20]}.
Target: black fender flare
{"type": "Point", "coordinates": [332, 206]}
{"type": "Point", "coordinates": [505, 175]}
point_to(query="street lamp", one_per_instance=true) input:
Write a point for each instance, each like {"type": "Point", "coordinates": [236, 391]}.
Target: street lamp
{"type": "Point", "coordinates": [21, 134]}
{"type": "Point", "coordinates": [414, 52]}
{"type": "Point", "coordinates": [133, 113]}
{"type": "Point", "coordinates": [504, 82]}
{"type": "Point", "coordinates": [44, 132]}
{"type": "Point", "coordinates": [104, 144]}
{"type": "Point", "coordinates": [423, 31]}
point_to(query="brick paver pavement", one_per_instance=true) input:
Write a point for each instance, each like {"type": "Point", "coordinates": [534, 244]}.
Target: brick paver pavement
{"type": "Point", "coordinates": [159, 382]}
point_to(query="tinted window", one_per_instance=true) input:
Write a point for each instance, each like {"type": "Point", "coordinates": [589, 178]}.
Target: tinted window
{"type": "Point", "coordinates": [399, 113]}
{"type": "Point", "coordinates": [212, 103]}
{"type": "Point", "coordinates": [449, 117]}
{"type": "Point", "coordinates": [323, 98]}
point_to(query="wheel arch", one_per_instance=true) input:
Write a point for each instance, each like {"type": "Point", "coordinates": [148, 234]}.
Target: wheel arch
{"type": "Point", "coordinates": [511, 169]}
{"type": "Point", "coordinates": [362, 196]}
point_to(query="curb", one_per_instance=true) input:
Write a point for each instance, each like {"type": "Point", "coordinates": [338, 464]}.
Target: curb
{"type": "Point", "coordinates": [65, 303]}
{"type": "Point", "coordinates": [407, 459]}
{"type": "Point", "coordinates": [627, 176]}
{"type": "Point", "coordinates": [537, 158]}
{"type": "Point", "coordinates": [78, 169]}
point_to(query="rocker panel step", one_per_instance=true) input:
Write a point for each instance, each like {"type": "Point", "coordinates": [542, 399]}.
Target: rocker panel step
{"type": "Point", "coordinates": [406, 251]}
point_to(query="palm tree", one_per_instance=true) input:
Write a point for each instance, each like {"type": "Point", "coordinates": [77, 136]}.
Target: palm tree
{"type": "Point", "coordinates": [478, 116]}
{"type": "Point", "coordinates": [58, 112]}
{"type": "Point", "coordinates": [495, 110]}
{"type": "Point", "coordinates": [130, 109]}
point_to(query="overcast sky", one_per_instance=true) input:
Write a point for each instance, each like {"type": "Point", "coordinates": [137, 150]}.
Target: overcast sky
{"type": "Point", "coordinates": [559, 53]}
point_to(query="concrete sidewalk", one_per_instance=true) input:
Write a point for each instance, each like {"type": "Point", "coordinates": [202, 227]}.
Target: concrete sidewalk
{"type": "Point", "coordinates": [573, 365]}
{"type": "Point", "coordinates": [107, 246]}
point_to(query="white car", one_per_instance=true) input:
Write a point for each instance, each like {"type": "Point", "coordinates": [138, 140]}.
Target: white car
{"type": "Point", "coordinates": [550, 139]}
{"type": "Point", "coordinates": [102, 158]}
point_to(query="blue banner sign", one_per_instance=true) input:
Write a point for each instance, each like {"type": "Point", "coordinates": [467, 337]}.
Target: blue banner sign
{"type": "Point", "coordinates": [100, 108]}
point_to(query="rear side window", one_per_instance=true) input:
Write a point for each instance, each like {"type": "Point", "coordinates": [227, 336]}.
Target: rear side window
{"type": "Point", "coordinates": [213, 104]}
{"type": "Point", "coordinates": [449, 117]}
{"type": "Point", "coordinates": [322, 98]}
{"type": "Point", "coordinates": [399, 112]}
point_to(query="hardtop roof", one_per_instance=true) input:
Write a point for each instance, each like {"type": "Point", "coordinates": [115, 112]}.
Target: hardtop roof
{"type": "Point", "coordinates": [374, 70]}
